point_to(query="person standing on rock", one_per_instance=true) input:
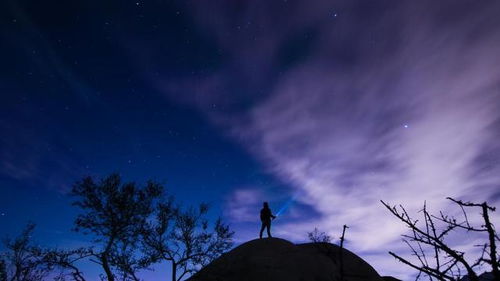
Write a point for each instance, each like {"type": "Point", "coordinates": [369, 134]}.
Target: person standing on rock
{"type": "Point", "coordinates": [265, 217]}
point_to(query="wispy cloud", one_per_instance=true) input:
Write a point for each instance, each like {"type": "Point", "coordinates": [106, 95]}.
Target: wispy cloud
{"type": "Point", "coordinates": [243, 203]}
{"type": "Point", "coordinates": [396, 102]}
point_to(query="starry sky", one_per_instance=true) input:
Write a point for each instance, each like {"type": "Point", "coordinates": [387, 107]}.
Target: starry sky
{"type": "Point", "coordinates": [325, 107]}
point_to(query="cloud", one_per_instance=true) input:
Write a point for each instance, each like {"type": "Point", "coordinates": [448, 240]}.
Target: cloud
{"type": "Point", "coordinates": [396, 101]}
{"type": "Point", "coordinates": [243, 204]}
{"type": "Point", "coordinates": [406, 130]}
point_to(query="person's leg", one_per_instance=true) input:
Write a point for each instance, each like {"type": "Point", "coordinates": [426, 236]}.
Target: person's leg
{"type": "Point", "coordinates": [262, 229]}
{"type": "Point", "coordinates": [269, 230]}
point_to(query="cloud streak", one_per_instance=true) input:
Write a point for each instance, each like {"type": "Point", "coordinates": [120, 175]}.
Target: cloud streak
{"type": "Point", "coordinates": [398, 101]}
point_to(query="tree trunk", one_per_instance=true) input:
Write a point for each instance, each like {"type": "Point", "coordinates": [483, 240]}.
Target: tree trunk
{"type": "Point", "coordinates": [106, 267]}
{"type": "Point", "coordinates": [174, 271]}
{"type": "Point", "coordinates": [493, 248]}
{"type": "Point", "coordinates": [342, 254]}
{"type": "Point", "coordinates": [104, 259]}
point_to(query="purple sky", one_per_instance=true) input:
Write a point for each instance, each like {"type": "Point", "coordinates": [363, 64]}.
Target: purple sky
{"type": "Point", "coordinates": [329, 105]}
{"type": "Point", "coordinates": [392, 100]}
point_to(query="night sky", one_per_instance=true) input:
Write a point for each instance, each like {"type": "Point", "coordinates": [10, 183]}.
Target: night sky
{"type": "Point", "coordinates": [322, 106]}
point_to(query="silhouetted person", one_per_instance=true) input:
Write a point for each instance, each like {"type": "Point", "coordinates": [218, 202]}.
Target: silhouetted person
{"type": "Point", "coordinates": [265, 217]}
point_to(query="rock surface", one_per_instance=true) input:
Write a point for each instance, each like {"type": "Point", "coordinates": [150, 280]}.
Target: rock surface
{"type": "Point", "coordinates": [273, 259]}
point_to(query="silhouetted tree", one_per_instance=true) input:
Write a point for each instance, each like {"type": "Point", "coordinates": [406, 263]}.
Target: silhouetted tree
{"type": "Point", "coordinates": [65, 262]}
{"type": "Point", "coordinates": [435, 257]}
{"type": "Point", "coordinates": [316, 236]}
{"type": "Point", "coordinates": [184, 239]}
{"type": "Point", "coordinates": [114, 213]}
{"type": "Point", "coordinates": [341, 257]}
{"type": "Point", "coordinates": [321, 239]}
{"type": "Point", "coordinates": [3, 270]}
{"type": "Point", "coordinates": [128, 261]}
{"type": "Point", "coordinates": [21, 260]}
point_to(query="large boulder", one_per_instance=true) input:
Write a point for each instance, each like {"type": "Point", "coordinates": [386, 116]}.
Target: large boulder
{"type": "Point", "coordinates": [273, 259]}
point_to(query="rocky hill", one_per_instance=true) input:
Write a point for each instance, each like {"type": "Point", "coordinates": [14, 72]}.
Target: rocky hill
{"type": "Point", "coordinates": [275, 259]}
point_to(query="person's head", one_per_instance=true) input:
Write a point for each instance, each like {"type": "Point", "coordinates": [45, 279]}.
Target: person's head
{"type": "Point", "coordinates": [266, 205]}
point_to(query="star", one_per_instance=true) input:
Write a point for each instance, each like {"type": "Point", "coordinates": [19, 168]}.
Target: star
{"type": "Point", "coordinates": [405, 126]}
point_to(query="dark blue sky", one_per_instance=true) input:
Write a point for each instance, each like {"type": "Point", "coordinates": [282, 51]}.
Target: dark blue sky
{"type": "Point", "coordinates": [76, 101]}
{"type": "Point", "coordinates": [333, 105]}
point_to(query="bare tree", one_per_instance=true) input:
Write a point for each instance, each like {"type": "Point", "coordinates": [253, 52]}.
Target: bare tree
{"type": "Point", "coordinates": [3, 271]}
{"type": "Point", "coordinates": [184, 239]}
{"type": "Point", "coordinates": [65, 261]}
{"type": "Point", "coordinates": [114, 213]}
{"type": "Point", "coordinates": [341, 258]}
{"type": "Point", "coordinates": [129, 261]}
{"type": "Point", "coordinates": [434, 256]}
{"type": "Point", "coordinates": [320, 238]}
{"type": "Point", "coordinates": [22, 261]}
{"type": "Point", "coordinates": [316, 236]}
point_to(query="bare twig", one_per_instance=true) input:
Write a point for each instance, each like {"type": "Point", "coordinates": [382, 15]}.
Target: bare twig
{"type": "Point", "coordinates": [448, 264]}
